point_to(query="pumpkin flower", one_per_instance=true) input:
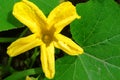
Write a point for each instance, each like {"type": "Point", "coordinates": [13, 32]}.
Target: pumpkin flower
{"type": "Point", "coordinates": [45, 32]}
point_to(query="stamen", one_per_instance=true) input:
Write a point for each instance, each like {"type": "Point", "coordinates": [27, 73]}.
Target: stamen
{"type": "Point", "coordinates": [46, 39]}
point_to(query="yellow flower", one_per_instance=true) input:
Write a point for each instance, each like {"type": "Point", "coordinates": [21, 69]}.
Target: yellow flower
{"type": "Point", "coordinates": [46, 32]}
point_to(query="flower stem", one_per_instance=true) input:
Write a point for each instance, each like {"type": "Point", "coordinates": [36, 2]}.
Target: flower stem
{"type": "Point", "coordinates": [9, 61]}
{"type": "Point", "coordinates": [23, 33]}
{"type": "Point", "coordinates": [33, 57]}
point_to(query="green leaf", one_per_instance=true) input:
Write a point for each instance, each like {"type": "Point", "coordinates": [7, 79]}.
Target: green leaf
{"type": "Point", "coordinates": [85, 67]}
{"type": "Point", "coordinates": [98, 32]}
{"type": "Point", "coordinates": [8, 21]}
{"type": "Point", "coordinates": [47, 5]}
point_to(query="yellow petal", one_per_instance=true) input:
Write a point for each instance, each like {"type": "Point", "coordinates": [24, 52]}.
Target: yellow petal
{"type": "Point", "coordinates": [23, 44]}
{"type": "Point", "coordinates": [48, 60]}
{"type": "Point", "coordinates": [67, 45]}
{"type": "Point", "coordinates": [62, 15]}
{"type": "Point", "coordinates": [30, 15]}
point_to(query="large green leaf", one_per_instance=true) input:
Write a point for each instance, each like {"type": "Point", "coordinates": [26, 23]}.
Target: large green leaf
{"type": "Point", "coordinates": [85, 67]}
{"type": "Point", "coordinates": [8, 21]}
{"type": "Point", "coordinates": [98, 32]}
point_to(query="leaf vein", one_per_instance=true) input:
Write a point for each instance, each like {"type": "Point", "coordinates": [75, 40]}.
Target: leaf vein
{"type": "Point", "coordinates": [104, 41]}
{"type": "Point", "coordinates": [85, 68]}
{"type": "Point", "coordinates": [109, 71]}
{"type": "Point", "coordinates": [94, 26]}
{"type": "Point", "coordinates": [102, 60]}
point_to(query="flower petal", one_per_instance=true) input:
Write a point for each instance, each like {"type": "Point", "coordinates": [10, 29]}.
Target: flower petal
{"type": "Point", "coordinates": [67, 45]}
{"type": "Point", "coordinates": [48, 60]}
{"type": "Point", "coordinates": [30, 15]}
{"type": "Point", "coordinates": [23, 44]}
{"type": "Point", "coordinates": [62, 15]}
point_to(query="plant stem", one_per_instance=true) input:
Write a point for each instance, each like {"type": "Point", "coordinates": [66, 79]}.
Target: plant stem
{"type": "Point", "coordinates": [33, 57]}
{"type": "Point", "coordinates": [23, 33]}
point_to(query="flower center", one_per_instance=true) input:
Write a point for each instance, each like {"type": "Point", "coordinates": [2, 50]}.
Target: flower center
{"type": "Point", "coordinates": [46, 38]}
